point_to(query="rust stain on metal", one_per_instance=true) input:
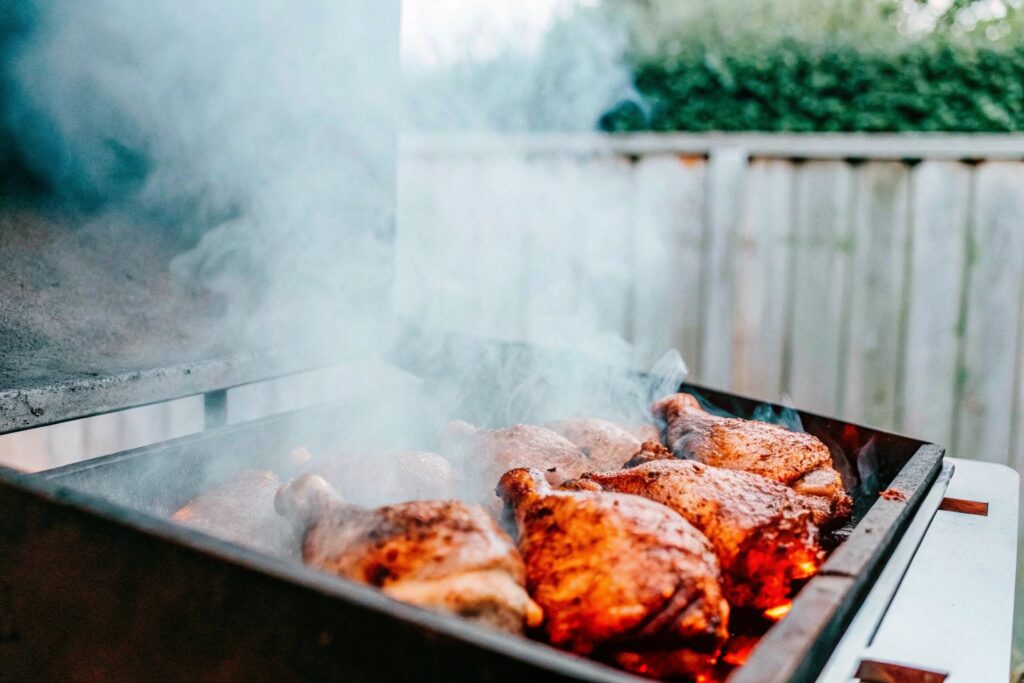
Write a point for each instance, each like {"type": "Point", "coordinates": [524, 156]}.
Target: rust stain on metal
{"type": "Point", "coordinates": [893, 494]}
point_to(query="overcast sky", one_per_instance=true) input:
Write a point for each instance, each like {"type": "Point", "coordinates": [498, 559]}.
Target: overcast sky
{"type": "Point", "coordinates": [439, 30]}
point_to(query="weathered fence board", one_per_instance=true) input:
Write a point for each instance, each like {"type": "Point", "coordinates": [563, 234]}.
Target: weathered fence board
{"type": "Point", "coordinates": [668, 253]}
{"type": "Point", "coordinates": [503, 234]}
{"type": "Point", "coordinates": [761, 279]}
{"type": "Point", "coordinates": [938, 259]}
{"type": "Point", "coordinates": [417, 213]}
{"type": "Point", "coordinates": [820, 262]}
{"type": "Point", "coordinates": [103, 434]}
{"type": "Point", "coordinates": [878, 239]}
{"type": "Point", "coordinates": [184, 416]}
{"type": "Point", "coordinates": [994, 287]}
{"type": "Point", "coordinates": [1017, 454]}
{"type": "Point", "coordinates": [66, 443]}
{"type": "Point", "coordinates": [28, 450]}
{"type": "Point", "coordinates": [846, 285]}
{"type": "Point", "coordinates": [603, 250]}
{"type": "Point", "coordinates": [726, 170]}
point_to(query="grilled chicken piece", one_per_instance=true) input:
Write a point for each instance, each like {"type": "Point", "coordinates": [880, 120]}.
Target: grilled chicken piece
{"type": "Point", "coordinates": [618, 576]}
{"type": "Point", "coordinates": [483, 455]}
{"type": "Point", "coordinates": [606, 444]}
{"type": "Point", "coordinates": [643, 431]}
{"type": "Point", "coordinates": [442, 555]}
{"type": "Point", "coordinates": [375, 479]}
{"type": "Point", "coordinates": [798, 460]}
{"type": "Point", "coordinates": [762, 532]}
{"type": "Point", "coordinates": [241, 511]}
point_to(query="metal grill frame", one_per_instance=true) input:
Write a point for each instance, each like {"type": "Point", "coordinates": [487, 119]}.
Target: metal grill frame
{"type": "Point", "coordinates": [91, 588]}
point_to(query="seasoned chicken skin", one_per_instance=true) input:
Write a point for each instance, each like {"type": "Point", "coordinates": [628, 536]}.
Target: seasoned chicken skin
{"type": "Point", "coordinates": [439, 554]}
{"type": "Point", "coordinates": [483, 455]}
{"type": "Point", "coordinates": [607, 445]}
{"type": "Point", "coordinates": [241, 510]}
{"type": "Point", "coordinates": [762, 532]}
{"type": "Point", "coordinates": [798, 460]}
{"type": "Point", "coordinates": [617, 576]}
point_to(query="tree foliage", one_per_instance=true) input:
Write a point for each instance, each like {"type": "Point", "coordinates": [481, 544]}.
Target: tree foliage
{"type": "Point", "coordinates": [821, 65]}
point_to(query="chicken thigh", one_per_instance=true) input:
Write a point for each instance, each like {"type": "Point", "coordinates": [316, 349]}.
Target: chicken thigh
{"type": "Point", "coordinates": [798, 460]}
{"type": "Point", "coordinates": [442, 555]}
{"type": "Point", "coordinates": [607, 445]}
{"type": "Point", "coordinates": [620, 577]}
{"type": "Point", "coordinates": [374, 479]}
{"type": "Point", "coordinates": [241, 510]}
{"type": "Point", "coordinates": [483, 455]}
{"type": "Point", "coordinates": [761, 530]}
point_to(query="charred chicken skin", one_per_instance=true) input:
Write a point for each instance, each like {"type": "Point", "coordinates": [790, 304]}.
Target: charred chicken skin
{"type": "Point", "coordinates": [762, 532]}
{"type": "Point", "coordinates": [798, 460]}
{"type": "Point", "coordinates": [618, 576]}
{"type": "Point", "coordinates": [607, 445]}
{"type": "Point", "coordinates": [439, 554]}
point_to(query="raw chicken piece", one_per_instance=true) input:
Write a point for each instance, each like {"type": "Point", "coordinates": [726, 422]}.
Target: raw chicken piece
{"type": "Point", "coordinates": [241, 510]}
{"type": "Point", "coordinates": [798, 460]}
{"type": "Point", "coordinates": [374, 479]}
{"type": "Point", "coordinates": [483, 455]}
{"type": "Point", "coordinates": [761, 530]}
{"type": "Point", "coordinates": [618, 576]}
{"type": "Point", "coordinates": [442, 555]}
{"type": "Point", "coordinates": [606, 444]}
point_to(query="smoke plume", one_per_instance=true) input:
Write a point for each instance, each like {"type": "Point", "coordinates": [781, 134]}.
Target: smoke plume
{"type": "Point", "coordinates": [263, 137]}
{"type": "Point", "coordinates": [261, 134]}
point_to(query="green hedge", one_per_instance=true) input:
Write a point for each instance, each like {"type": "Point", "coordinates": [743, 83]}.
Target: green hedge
{"type": "Point", "coordinates": [793, 86]}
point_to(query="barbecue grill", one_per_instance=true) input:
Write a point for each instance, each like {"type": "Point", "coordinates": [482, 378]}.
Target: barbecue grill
{"type": "Point", "coordinates": [96, 583]}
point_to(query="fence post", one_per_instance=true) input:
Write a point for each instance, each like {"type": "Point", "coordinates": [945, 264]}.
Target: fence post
{"type": "Point", "coordinates": [727, 167]}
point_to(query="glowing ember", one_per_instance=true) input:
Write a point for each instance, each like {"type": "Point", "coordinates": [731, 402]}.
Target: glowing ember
{"type": "Point", "coordinates": [805, 569]}
{"type": "Point", "coordinates": [779, 611]}
{"type": "Point", "coordinates": [738, 650]}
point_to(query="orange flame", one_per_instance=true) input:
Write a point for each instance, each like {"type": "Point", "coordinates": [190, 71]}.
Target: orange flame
{"type": "Point", "coordinates": [779, 611]}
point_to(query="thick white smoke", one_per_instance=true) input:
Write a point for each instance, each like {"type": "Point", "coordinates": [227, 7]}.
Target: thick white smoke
{"type": "Point", "coordinates": [268, 128]}
{"type": "Point", "coordinates": [265, 133]}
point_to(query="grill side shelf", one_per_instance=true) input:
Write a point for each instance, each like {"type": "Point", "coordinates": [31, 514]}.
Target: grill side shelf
{"type": "Point", "coordinates": [38, 404]}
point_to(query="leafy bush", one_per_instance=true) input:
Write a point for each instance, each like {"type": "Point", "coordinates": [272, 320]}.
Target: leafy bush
{"type": "Point", "coordinates": [775, 71]}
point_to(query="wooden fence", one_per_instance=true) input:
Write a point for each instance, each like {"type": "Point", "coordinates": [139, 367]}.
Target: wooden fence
{"type": "Point", "coordinates": [878, 278]}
